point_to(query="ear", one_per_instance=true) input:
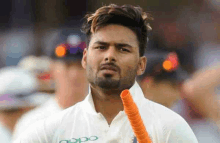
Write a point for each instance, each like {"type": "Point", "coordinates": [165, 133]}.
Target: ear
{"type": "Point", "coordinates": [84, 58]}
{"type": "Point", "coordinates": [141, 65]}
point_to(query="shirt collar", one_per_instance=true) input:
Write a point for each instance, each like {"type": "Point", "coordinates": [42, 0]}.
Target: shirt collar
{"type": "Point", "coordinates": [135, 91]}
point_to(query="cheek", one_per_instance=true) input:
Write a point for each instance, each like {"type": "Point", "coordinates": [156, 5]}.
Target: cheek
{"type": "Point", "coordinates": [127, 69]}
{"type": "Point", "coordinates": [93, 63]}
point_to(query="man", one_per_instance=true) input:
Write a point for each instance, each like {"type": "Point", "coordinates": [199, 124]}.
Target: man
{"type": "Point", "coordinates": [113, 58]}
{"type": "Point", "coordinates": [162, 78]}
{"type": "Point", "coordinates": [200, 105]}
{"type": "Point", "coordinates": [202, 89]}
{"type": "Point", "coordinates": [16, 98]}
{"type": "Point", "coordinates": [70, 81]}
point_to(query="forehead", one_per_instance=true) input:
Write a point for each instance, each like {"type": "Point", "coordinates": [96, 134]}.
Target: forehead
{"type": "Point", "coordinates": [115, 34]}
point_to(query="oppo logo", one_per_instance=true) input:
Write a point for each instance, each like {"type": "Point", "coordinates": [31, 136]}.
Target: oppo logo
{"type": "Point", "coordinates": [80, 140]}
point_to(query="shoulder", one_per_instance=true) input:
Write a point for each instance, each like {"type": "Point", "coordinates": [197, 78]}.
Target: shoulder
{"type": "Point", "coordinates": [45, 129]}
{"type": "Point", "coordinates": [63, 116]}
{"type": "Point", "coordinates": [173, 127]}
{"type": "Point", "coordinates": [162, 116]}
{"type": "Point", "coordinates": [167, 118]}
{"type": "Point", "coordinates": [161, 111]}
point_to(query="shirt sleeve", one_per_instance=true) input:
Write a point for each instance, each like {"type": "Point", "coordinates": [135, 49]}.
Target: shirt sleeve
{"type": "Point", "coordinates": [181, 133]}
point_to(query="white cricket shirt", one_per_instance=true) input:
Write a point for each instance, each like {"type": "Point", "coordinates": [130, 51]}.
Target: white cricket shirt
{"type": "Point", "coordinates": [81, 123]}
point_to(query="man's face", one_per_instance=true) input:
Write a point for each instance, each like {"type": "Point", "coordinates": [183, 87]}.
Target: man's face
{"type": "Point", "coordinates": [112, 59]}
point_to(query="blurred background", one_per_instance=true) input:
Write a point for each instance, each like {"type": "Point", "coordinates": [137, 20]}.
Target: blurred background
{"type": "Point", "coordinates": [189, 27]}
{"type": "Point", "coordinates": [184, 39]}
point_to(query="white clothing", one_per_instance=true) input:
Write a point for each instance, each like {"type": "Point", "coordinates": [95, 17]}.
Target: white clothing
{"type": "Point", "coordinates": [45, 110]}
{"type": "Point", "coordinates": [5, 134]}
{"type": "Point", "coordinates": [81, 123]}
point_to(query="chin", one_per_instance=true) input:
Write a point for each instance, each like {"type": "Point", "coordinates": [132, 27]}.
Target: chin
{"type": "Point", "coordinates": [110, 76]}
{"type": "Point", "coordinates": [108, 83]}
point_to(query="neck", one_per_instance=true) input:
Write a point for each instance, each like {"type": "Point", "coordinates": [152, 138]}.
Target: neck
{"type": "Point", "coordinates": [9, 119]}
{"type": "Point", "coordinates": [107, 102]}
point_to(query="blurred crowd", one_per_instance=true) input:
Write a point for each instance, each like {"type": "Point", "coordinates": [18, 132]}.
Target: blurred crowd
{"type": "Point", "coordinates": [44, 84]}
{"type": "Point", "coordinates": [183, 74]}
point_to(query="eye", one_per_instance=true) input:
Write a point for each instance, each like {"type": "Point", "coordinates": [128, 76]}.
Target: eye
{"type": "Point", "coordinates": [101, 47]}
{"type": "Point", "coordinates": [124, 49]}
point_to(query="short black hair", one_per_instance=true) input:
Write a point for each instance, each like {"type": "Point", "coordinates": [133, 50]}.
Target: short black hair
{"type": "Point", "coordinates": [127, 15]}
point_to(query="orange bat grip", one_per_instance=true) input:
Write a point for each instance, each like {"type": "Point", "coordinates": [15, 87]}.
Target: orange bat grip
{"type": "Point", "coordinates": [134, 117]}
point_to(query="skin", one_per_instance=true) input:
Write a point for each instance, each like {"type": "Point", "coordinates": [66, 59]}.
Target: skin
{"type": "Point", "coordinates": [10, 118]}
{"type": "Point", "coordinates": [117, 46]}
{"type": "Point", "coordinates": [71, 83]}
{"type": "Point", "coordinates": [200, 91]}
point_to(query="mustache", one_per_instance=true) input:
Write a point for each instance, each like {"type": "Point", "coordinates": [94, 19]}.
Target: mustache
{"type": "Point", "coordinates": [110, 66]}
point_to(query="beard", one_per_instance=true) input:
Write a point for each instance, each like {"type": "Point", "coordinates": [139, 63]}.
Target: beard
{"type": "Point", "coordinates": [108, 83]}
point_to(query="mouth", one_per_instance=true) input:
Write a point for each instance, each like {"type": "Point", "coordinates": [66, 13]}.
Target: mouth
{"type": "Point", "coordinates": [109, 68]}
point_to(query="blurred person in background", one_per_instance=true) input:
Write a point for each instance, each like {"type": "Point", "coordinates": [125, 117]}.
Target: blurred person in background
{"type": "Point", "coordinates": [160, 81]}
{"type": "Point", "coordinates": [200, 95]}
{"type": "Point", "coordinates": [17, 88]}
{"type": "Point", "coordinates": [202, 90]}
{"type": "Point", "coordinates": [68, 76]}
{"type": "Point", "coordinates": [40, 68]}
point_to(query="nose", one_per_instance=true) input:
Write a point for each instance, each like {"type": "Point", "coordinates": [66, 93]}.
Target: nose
{"type": "Point", "coordinates": [110, 55]}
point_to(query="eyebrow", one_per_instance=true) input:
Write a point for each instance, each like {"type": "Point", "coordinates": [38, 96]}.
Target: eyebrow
{"type": "Point", "coordinates": [101, 43]}
{"type": "Point", "coordinates": [117, 44]}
